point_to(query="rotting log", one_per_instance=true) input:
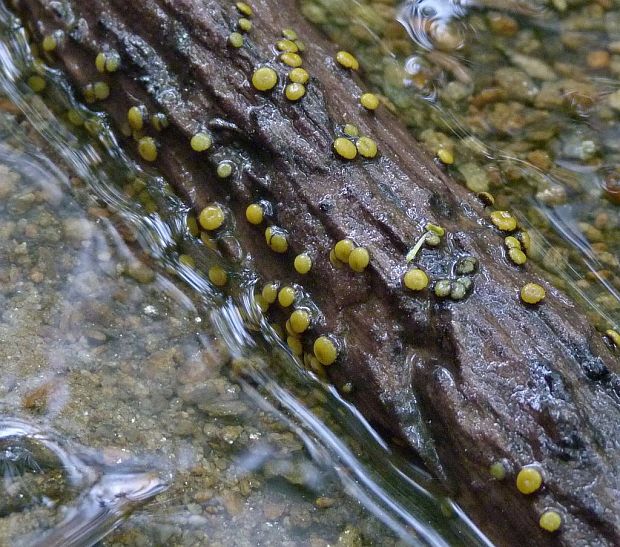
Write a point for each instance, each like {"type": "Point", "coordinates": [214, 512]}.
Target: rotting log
{"type": "Point", "coordinates": [495, 380]}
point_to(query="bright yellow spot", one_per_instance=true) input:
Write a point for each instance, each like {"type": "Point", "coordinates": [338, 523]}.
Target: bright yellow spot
{"type": "Point", "coordinates": [366, 147]}
{"type": "Point", "coordinates": [325, 350]}
{"type": "Point", "coordinates": [286, 296]}
{"type": "Point", "coordinates": [504, 221]}
{"type": "Point", "coordinates": [270, 292]}
{"type": "Point", "coordinates": [517, 256]}
{"type": "Point", "coordinates": [187, 260]}
{"type": "Point", "coordinates": [244, 24]}
{"type": "Point", "coordinates": [359, 259]}
{"type": "Point", "coordinates": [287, 46]}
{"type": "Point", "coordinates": [302, 263]}
{"type": "Point", "coordinates": [244, 8]}
{"type": "Point", "coordinates": [278, 242]}
{"type": "Point", "coordinates": [550, 521]}
{"type": "Point", "coordinates": [343, 249]}
{"type": "Point", "coordinates": [147, 148]}
{"type": "Point", "coordinates": [415, 279]}
{"type": "Point", "coordinates": [36, 83]}
{"type": "Point", "coordinates": [264, 78]}
{"type": "Point", "coordinates": [345, 148]}
{"type": "Point", "coordinates": [102, 90]}
{"type": "Point", "coordinates": [200, 142]}
{"type": "Point", "coordinates": [49, 43]}
{"type": "Point", "coordinates": [211, 217]}
{"type": "Point", "coordinates": [294, 92]}
{"type": "Point", "coordinates": [532, 293]}
{"type": "Point", "coordinates": [218, 276]}
{"type": "Point", "coordinates": [529, 480]}
{"type": "Point", "coordinates": [445, 156]}
{"type": "Point", "coordinates": [300, 321]}
{"type": "Point", "coordinates": [299, 76]}
{"type": "Point", "coordinates": [254, 213]}
{"type": "Point", "coordinates": [291, 59]}
{"type": "Point", "coordinates": [369, 101]}
{"type": "Point", "coordinates": [345, 59]}
{"type": "Point", "coordinates": [135, 118]}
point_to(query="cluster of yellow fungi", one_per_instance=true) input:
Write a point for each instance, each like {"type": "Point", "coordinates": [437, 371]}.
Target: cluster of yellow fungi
{"type": "Point", "coordinates": [347, 252]}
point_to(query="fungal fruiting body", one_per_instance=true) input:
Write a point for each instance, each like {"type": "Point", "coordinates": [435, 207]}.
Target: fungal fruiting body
{"type": "Point", "coordinates": [504, 221]}
{"type": "Point", "coordinates": [346, 60]}
{"type": "Point", "coordinates": [211, 217]}
{"type": "Point", "coordinates": [345, 148]}
{"type": "Point", "coordinates": [529, 480]}
{"type": "Point", "coordinates": [359, 259]}
{"type": "Point", "coordinates": [325, 350]}
{"type": "Point", "coordinates": [264, 78]}
{"type": "Point", "coordinates": [532, 293]}
{"type": "Point", "coordinates": [415, 279]}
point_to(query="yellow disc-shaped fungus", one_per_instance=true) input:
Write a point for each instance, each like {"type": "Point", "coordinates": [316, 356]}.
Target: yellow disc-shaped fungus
{"type": "Point", "coordinates": [551, 521]}
{"type": "Point", "coordinates": [532, 293]}
{"type": "Point", "coordinates": [298, 76]}
{"type": "Point", "coordinates": [366, 147]}
{"type": "Point", "coordinates": [512, 242]}
{"type": "Point", "coordinates": [224, 169]}
{"type": "Point", "coordinates": [529, 480]}
{"type": "Point", "coordinates": [270, 292]}
{"type": "Point", "coordinates": [504, 221]}
{"type": "Point", "coordinates": [299, 321]}
{"type": "Point", "coordinates": [325, 350]}
{"type": "Point", "coordinates": [200, 142]}
{"type": "Point", "coordinates": [289, 34]}
{"type": "Point", "coordinates": [254, 213]}
{"type": "Point", "coordinates": [351, 130]}
{"type": "Point", "coordinates": [187, 260]}
{"type": "Point", "coordinates": [445, 156]}
{"type": "Point", "coordinates": [343, 249]}
{"type": "Point", "coordinates": [235, 39]}
{"type": "Point", "coordinates": [147, 148]}
{"type": "Point", "coordinates": [286, 296]}
{"type": "Point", "coordinates": [614, 336]}
{"type": "Point", "coordinates": [218, 276]}
{"type": "Point", "coordinates": [369, 101]}
{"type": "Point", "coordinates": [359, 259]}
{"type": "Point", "coordinates": [244, 24]}
{"type": "Point", "coordinates": [211, 217]}
{"type": "Point", "coordinates": [36, 83]}
{"type": "Point", "coordinates": [244, 8]}
{"type": "Point", "coordinates": [517, 256]}
{"type": "Point", "coordinates": [295, 344]}
{"type": "Point", "coordinates": [100, 62]}
{"type": "Point", "coordinates": [102, 90]}
{"type": "Point", "coordinates": [135, 118]}
{"type": "Point", "coordinates": [264, 78]}
{"type": "Point", "coordinates": [49, 43]}
{"type": "Point", "coordinates": [287, 46]}
{"type": "Point", "coordinates": [279, 242]}
{"type": "Point", "coordinates": [415, 279]}
{"type": "Point", "coordinates": [497, 471]}
{"type": "Point", "coordinates": [294, 92]}
{"type": "Point", "coordinates": [302, 263]}
{"type": "Point", "coordinates": [112, 62]}
{"type": "Point", "coordinates": [345, 148]}
{"type": "Point", "coordinates": [293, 60]}
{"type": "Point", "coordinates": [347, 60]}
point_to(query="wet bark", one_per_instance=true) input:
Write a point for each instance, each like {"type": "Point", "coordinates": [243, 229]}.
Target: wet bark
{"type": "Point", "coordinates": [495, 380]}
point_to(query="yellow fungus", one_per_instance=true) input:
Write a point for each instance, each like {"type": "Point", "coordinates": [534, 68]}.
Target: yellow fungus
{"type": "Point", "coordinates": [504, 221]}
{"type": "Point", "coordinates": [497, 471]}
{"type": "Point", "coordinates": [325, 350]}
{"type": "Point", "coordinates": [529, 480]}
{"type": "Point", "coordinates": [187, 260]}
{"type": "Point", "coordinates": [218, 276]}
{"type": "Point", "coordinates": [299, 321]}
{"type": "Point", "coordinates": [192, 225]}
{"type": "Point", "coordinates": [551, 521]}
{"type": "Point", "coordinates": [135, 118]}
{"type": "Point", "coordinates": [244, 24]}
{"type": "Point", "coordinates": [517, 256]}
{"type": "Point", "coordinates": [102, 90]}
{"type": "Point", "coordinates": [286, 296]}
{"type": "Point", "coordinates": [359, 259]}
{"type": "Point", "coordinates": [211, 217]}
{"type": "Point", "coordinates": [49, 43]}
{"type": "Point", "coordinates": [200, 142]}
{"type": "Point", "coordinates": [445, 156]}
{"type": "Point", "coordinates": [264, 78]}
{"type": "Point", "coordinates": [287, 46]}
{"type": "Point", "coordinates": [294, 92]}
{"type": "Point", "coordinates": [235, 39]}
{"type": "Point", "coordinates": [36, 83]}
{"type": "Point", "coordinates": [334, 261]}
{"type": "Point", "coordinates": [343, 248]}
{"type": "Point", "coordinates": [345, 59]}
{"type": "Point", "coordinates": [613, 336]}
{"type": "Point", "coordinates": [289, 34]}
{"type": "Point", "coordinates": [224, 169]}
{"type": "Point", "coordinates": [295, 345]}
{"type": "Point", "coordinates": [289, 329]}
{"type": "Point", "coordinates": [369, 101]}
{"type": "Point", "coordinates": [345, 148]}
{"type": "Point", "coordinates": [351, 130]}
{"type": "Point", "coordinates": [366, 147]}
{"type": "Point", "coordinates": [74, 117]}
{"type": "Point", "coordinates": [512, 242]}
{"type": "Point", "coordinates": [112, 62]}
{"type": "Point", "coordinates": [268, 234]}
{"type": "Point", "coordinates": [260, 302]}
{"type": "Point", "coordinates": [254, 213]}
{"type": "Point", "coordinates": [439, 230]}
{"type": "Point", "coordinates": [270, 292]}
{"type": "Point", "coordinates": [244, 8]}
{"type": "Point", "coordinates": [526, 241]}
{"type": "Point", "coordinates": [415, 279]}
{"type": "Point", "coordinates": [532, 293]}
{"type": "Point", "coordinates": [279, 242]}
{"type": "Point", "coordinates": [302, 263]}
{"type": "Point", "coordinates": [100, 62]}
{"type": "Point", "coordinates": [208, 241]}
{"type": "Point", "coordinates": [300, 45]}
{"type": "Point", "coordinates": [299, 76]}
{"type": "Point", "coordinates": [291, 59]}
{"type": "Point", "coordinates": [147, 148]}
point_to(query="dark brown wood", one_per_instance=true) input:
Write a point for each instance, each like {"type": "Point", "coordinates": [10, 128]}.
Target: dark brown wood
{"type": "Point", "coordinates": [494, 379]}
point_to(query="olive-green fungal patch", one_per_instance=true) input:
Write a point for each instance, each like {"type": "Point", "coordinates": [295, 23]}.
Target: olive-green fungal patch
{"type": "Point", "coordinates": [135, 117]}
{"type": "Point", "coordinates": [293, 60]}
{"type": "Point", "coordinates": [159, 121]}
{"type": "Point", "coordinates": [359, 258]}
{"type": "Point", "coordinates": [346, 60]}
{"type": "Point", "coordinates": [498, 471]}
{"type": "Point", "coordinates": [299, 76]}
{"type": "Point", "coordinates": [49, 43]}
{"type": "Point", "coordinates": [529, 480]}
{"type": "Point", "coordinates": [235, 39]}
{"type": "Point", "coordinates": [302, 263]}
{"type": "Point", "coordinates": [264, 78]}
{"type": "Point", "coordinates": [101, 90]}
{"type": "Point", "coordinates": [187, 260]}
{"type": "Point", "coordinates": [107, 62]}
{"type": "Point", "coordinates": [286, 296]}
{"type": "Point", "coordinates": [75, 117]}
{"type": "Point", "coordinates": [445, 156]}
{"type": "Point", "coordinates": [443, 288]}
{"type": "Point", "coordinates": [366, 147]}
{"type": "Point", "coordinates": [439, 230]}
{"type": "Point", "coordinates": [466, 265]}
{"type": "Point", "coordinates": [147, 148]}
{"type": "Point", "coordinates": [432, 239]}
{"type": "Point", "coordinates": [459, 288]}
{"type": "Point", "coordinates": [244, 9]}
{"type": "Point", "coordinates": [517, 256]}
{"type": "Point", "coordinates": [289, 34]}
{"type": "Point", "coordinates": [211, 217]}
{"type": "Point", "coordinates": [255, 213]}
{"type": "Point", "coordinates": [504, 221]}
{"type": "Point", "coordinates": [244, 24]}
{"type": "Point", "coordinates": [550, 521]}
{"type": "Point", "coordinates": [512, 242]}
{"type": "Point", "coordinates": [369, 101]}
{"type": "Point", "coordinates": [300, 45]}
{"type": "Point", "coordinates": [299, 321]}
{"type": "Point", "coordinates": [526, 241]}
{"type": "Point", "coordinates": [192, 225]}
{"type": "Point", "coordinates": [345, 148]}
{"type": "Point", "coordinates": [532, 293]}
{"type": "Point", "coordinates": [287, 46]}
{"type": "Point", "coordinates": [415, 279]}
{"type": "Point", "coordinates": [325, 350]}
{"type": "Point", "coordinates": [614, 336]}
{"type": "Point", "coordinates": [294, 92]}
{"type": "Point", "coordinates": [342, 249]}
{"type": "Point", "coordinates": [270, 292]}
{"type": "Point", "coordinates": [224, 169]}
{"type": "Point", "coordinates": [334, 260]}
{"type": "Point", "coordinates": [200, 142]}
{"type": "Point", "coordinates": [351, 130]}
{"type": "Point", "coordinates": [37, 83]}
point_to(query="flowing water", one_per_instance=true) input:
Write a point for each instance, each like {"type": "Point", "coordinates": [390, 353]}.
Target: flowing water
{"type": "Point", "coordinates": [143, 405]}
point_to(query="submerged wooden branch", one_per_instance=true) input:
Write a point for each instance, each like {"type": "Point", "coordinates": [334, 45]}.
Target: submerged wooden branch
{"type": "Point", "coordinates": [497, 382]}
